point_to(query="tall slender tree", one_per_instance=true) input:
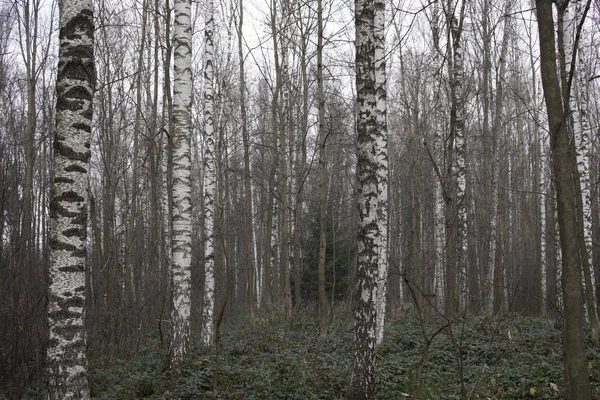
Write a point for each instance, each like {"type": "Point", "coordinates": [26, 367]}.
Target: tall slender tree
{"type": "Point", "coordinates": [368, 141]}
{"type": "Point", "coordinates": [181, 240]}
{"type": "Point", "coordinates": [457, 128]}
{"type": "Point", "coordinates": [210, 185]}
{"type": "Point", "coordinates": [382, 154]}
{"type": "Point", "coordinates": [496, 129]}
{"type": "Point", "coordinates": [75, 82]}
{"type": "Point", "coordinates": [323, 307]}
{"type": "Point", "coordinates": [578, 127]}
{"type": "Point", "coordinates": [576, 368]}
{"type": "Point", "coordinates": [248, 207]}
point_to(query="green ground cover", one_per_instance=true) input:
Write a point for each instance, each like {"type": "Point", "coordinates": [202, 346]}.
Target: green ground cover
{"type": "Point", "coordinates": [512, 357]}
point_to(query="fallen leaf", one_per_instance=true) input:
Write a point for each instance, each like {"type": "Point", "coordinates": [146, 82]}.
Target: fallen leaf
{"type": "Point", "coordinates": [532, 391]}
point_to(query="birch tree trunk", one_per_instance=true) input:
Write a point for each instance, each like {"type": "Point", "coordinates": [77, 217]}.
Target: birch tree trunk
{"type": "Point", "coordinates": [210, 188]}
{"type": "Point", "coordinates": [583, 145]}
{"type": "Point", "coordinates": [457, 125]}
{"type": "Point", "coordinates": [75, 81]}
{"type": "Point", "coordinates": [166, 164]}
{"type": "Point", "coordinates": [579, 125]}
{"type": "Point", "coordinates": [368, 141]}
{"type": "Point", "coordinates": [284, 127]}
{"type": "Point", "coordinates": [181, 247]}
{"type": "Point", "coordinates": [382, 171]}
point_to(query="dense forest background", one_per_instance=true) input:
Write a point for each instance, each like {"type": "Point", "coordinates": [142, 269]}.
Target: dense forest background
{"type": "Point", "coordinates": [267, 235]}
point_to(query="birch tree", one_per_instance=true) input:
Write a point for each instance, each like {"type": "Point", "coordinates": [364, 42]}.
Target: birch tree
{"type": "Point", "coordinates": [579, 127]}
{"type": "Point", "coordinates": [454, 185]}
{"type": "Point", "coordinates": [210, 185]}
{"type": "Point", "coordinates": [368, 141]}
{"type": "Point", "coordinates": [282, 80]}
{"type": "Point", "coordinates": [181, 240]}
{"type": "Point", "coordinates": [382, 171]}
{"type": "Point", "coordinates": [75, 81]}
{"type": "Point", "coordinates": [457, 129]}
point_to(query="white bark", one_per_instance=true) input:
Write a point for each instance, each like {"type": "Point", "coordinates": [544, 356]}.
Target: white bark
{"type": "Point", "coordinates": [368, 141]}
{"type": "Point", "coordinates": [181, 241]}
{"type": "Point", "coordinates": [581, 128]}
{"type": "Point", "coordinates": [382, 169]}
{"type": "Point", "coordinates": [543, 227]}
{"type": "Point", "coordinates": [66, 357]}
{"type": "Point", "coordinates": [583, 145]}
{"type": "Point", "coordinates": [210, 186]}
{"type": "Point", "coordinates": [459, 160]}
{"type": "Point", "coordinates": [439, 231]}
{"type": "Point", "coordinates": [258, 268]}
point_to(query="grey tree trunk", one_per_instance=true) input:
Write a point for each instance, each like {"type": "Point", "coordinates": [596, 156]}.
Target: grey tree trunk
{"type": "Point", "coordinates": [323, 307]}
{"type": "Point", "coordinates": [382, 154]}
{"type": "Point", "coordinates": [181, 240]}
{"type": "Point", "coordinates": [369, 139]}
{"type": "Point", "coordinates": [75, 82]}
{"type": "Point", "coordinates": [578, 130]}
{"type": "Point", "coordinates": [249, 239]}
{"type": "Point", "coordinates": [210, 180]}
{"type": "Point", "coordinates": [576, 368]}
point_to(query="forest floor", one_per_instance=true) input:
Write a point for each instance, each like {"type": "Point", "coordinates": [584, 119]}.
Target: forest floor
{"type": "Point", "coordinates": [512, 357]}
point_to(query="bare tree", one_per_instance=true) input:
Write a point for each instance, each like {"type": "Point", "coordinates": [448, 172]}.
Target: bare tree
{"type": "Point", "coordinates": [323, 306]}
{"type": "Point", "coordinates": [368, 141]}
{"type": "Point", "coordinates": [576, 368]}
{"type": "Point", "coordinates": [75, 82]}
{"type": "Point", "coordinates": [382, 154]}
{"type": "Point", "coordinates": [210, 184]}
{"type": "Point", "coordinates": [182, 227]}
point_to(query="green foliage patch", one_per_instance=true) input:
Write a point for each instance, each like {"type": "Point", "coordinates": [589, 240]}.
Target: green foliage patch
{"type": "Point", "coordinates": [471, 358]}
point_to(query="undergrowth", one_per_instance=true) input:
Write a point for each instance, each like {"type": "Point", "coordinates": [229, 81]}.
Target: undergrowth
{"type": "Point", "coordinates": [512, 357]}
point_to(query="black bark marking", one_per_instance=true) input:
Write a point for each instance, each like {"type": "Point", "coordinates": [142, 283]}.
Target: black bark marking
{"type": "Point", "coordinates": [80, 253]}
{"type": "Point", "coordinates": [69, 104]}
{"type": "Point", "coordinates": [72, 301]}
{"type": "Point", "coordinates": [81, 219]}
{"type": "Point", "coordinates": [57, 210]}
{"type": "Point", "coordinates": [60, 179]}
{"type": "Point", "coordinates": [82, 21]}
{"type": "Point", "coordinates": [67, 152]}
{"type": "Point", "coordinates": [71, 268]}
{"type": "Point", "coordinates": [81, 126]}
{"type": "Point", "coordinates": [58, 245]}
{"type": "Point", "coordinates": [69, 196]}
{"type": "Point", "coordinates": [75, 168]}
{"type": "Point", "coordinates": [69, 332]}
{"type": "Point", "coordinates": [61, 315]}
{"type": "Point", "coordinates": [78, 93]}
